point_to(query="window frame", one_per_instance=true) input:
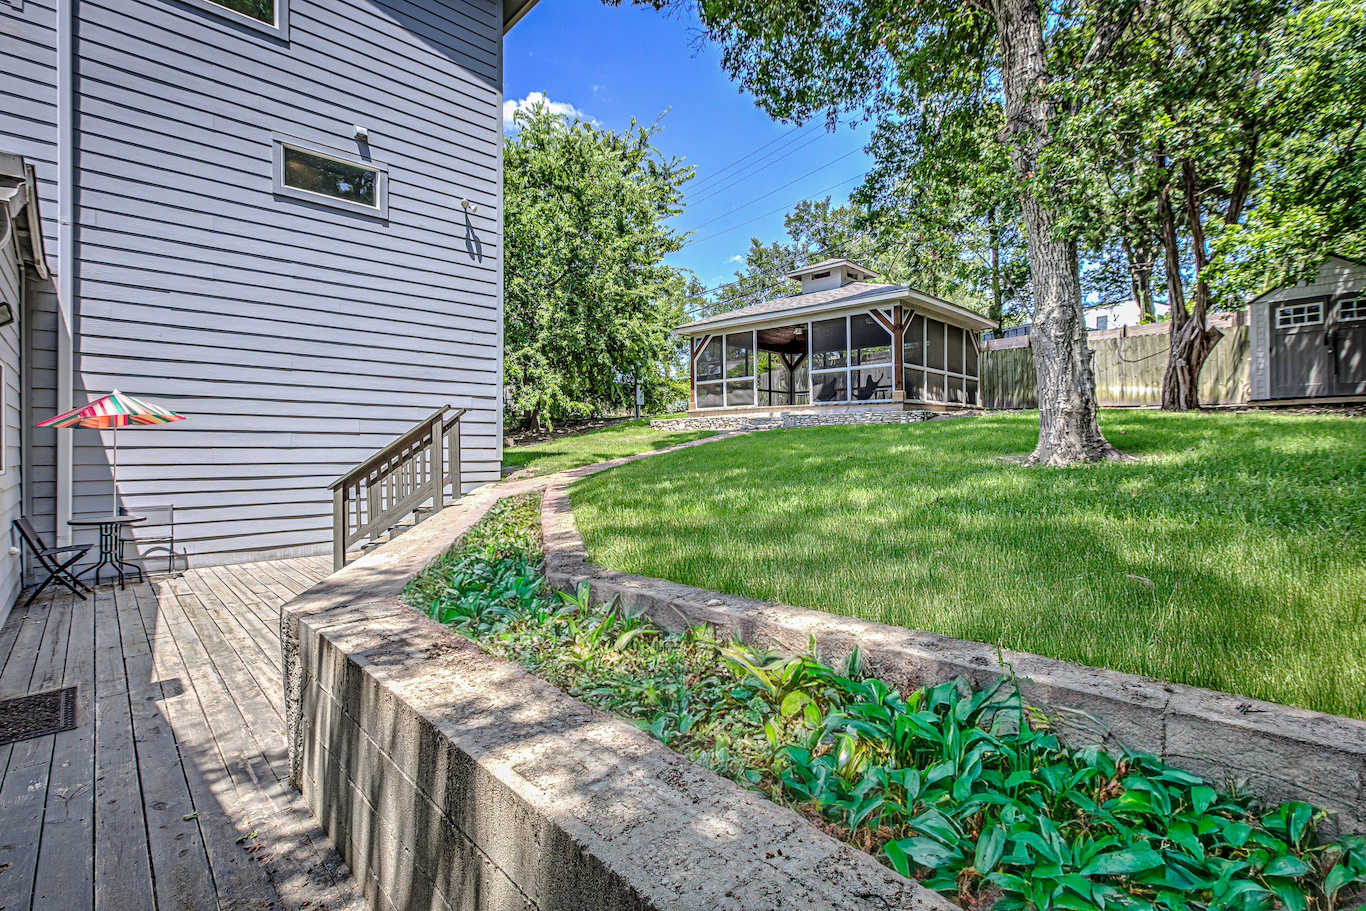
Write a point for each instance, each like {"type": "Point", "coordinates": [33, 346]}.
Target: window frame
{"type": "Point", "coordinates": [280, 141]}
{"type": "Point", "coordinates": [1352, 307]}
{"type": "Point", "coordinates": [1304, 304]}
{"type": "Point", "coordinates": [280, 28]}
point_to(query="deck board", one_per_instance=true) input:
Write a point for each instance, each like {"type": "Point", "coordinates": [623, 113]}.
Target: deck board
{"type": "Point", "coordinates": [172, 791]}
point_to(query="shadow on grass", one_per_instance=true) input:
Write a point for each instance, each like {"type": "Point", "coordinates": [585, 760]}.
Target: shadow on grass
{"type": "Point", "coordinates": [1230, 555]}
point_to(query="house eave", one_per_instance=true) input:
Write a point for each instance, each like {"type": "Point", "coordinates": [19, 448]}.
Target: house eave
{"type": "Point", "coordinates": [513, 11]}
{"type": "Point", "coordinates": [20, 197]}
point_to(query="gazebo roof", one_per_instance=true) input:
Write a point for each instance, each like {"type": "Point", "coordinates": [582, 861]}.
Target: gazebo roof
{"type": "Point", "coordinates": [851, 295]}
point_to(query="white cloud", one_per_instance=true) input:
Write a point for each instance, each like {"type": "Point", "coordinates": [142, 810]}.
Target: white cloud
{"type": "Point", "coordinates": [511, 107]}
{"type": "Point", "coordinates": [736, 259]}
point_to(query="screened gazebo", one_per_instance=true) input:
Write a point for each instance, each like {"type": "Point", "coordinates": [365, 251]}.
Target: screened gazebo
{"type": "Point", "coordinates": [843, 343]}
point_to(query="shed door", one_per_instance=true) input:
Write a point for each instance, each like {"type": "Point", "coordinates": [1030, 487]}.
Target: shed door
{"type": "Point", "coordinates": [1301, 359]}
{"type": "Point", "coordinates": [1347, 335]}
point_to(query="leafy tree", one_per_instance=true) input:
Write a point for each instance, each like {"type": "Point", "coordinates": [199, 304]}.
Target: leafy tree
{"type": "Point", "coordinates": [950, 189]}
{"type": "Point", "coordinates": [949, 257]}
{"type": "Point", "coordinates": [943, 59]}
{"type": "Point", "coordinates": [1311, 176]}
{"type": "Point", "coordinates": [588, 302]}
{"type": "Point", "coordinates": [1175, 127]}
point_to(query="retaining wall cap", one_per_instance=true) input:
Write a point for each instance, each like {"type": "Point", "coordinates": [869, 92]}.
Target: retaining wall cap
{"type": "Point", "coordinates": [1279, 752]}
{"type": "Point", "coordinates": [674, 834]}
{"type": "Point", "coordinates": [681, 837]}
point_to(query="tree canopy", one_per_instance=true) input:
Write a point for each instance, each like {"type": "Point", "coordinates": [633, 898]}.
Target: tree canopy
{"type": "Point", "coordinates": [588, 301]}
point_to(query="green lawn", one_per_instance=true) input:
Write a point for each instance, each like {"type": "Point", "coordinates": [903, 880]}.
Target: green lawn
{"type": "Point", "coordinates": [576, 450]}
{"type": "Point", "coordinates": [1230, 554]}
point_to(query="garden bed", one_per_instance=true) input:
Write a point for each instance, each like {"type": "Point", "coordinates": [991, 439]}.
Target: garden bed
{"type": "Point", "coordinates": [964, 788]}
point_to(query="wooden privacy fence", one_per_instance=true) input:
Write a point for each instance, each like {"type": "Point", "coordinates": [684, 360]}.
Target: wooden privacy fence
{"type": "Point", "coordinates": [1129, 364]}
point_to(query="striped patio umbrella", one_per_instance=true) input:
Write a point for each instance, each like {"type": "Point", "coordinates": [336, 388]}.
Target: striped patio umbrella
{"type": "Point", "coordinates": [110, 413]}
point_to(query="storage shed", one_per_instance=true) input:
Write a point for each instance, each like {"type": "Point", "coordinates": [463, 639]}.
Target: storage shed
{"type": "Point", "coordinates": [844, 342]}
{"type": "Point", "coordinates": [1309, 340]}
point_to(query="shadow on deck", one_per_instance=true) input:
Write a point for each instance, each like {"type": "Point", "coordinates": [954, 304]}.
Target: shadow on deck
{"type": "Point", "coordinates": [172, 790]}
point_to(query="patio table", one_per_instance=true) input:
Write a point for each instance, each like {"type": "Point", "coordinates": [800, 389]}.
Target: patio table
{"type": "Point", "coordinates": [111, 544]}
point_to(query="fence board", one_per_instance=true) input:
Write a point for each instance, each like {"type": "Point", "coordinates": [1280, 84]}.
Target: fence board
{"type": "Point", "coordinates": [1129, 366]}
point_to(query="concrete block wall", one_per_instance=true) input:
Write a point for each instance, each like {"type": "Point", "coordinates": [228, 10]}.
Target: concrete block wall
{"type": "Point", "coordinates": [1275, 751]}
{"type": "Point", "coordinates": [451, 780]}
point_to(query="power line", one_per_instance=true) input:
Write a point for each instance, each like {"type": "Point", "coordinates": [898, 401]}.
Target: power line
{"type": "Point", "coordinates": [742, 176]}
{"type": "Point", "coordinates": [778, 190]}
{"type": "Point", "coordinates": [718, 174]}
{"type": "Point", "coordinates": [774, 212]}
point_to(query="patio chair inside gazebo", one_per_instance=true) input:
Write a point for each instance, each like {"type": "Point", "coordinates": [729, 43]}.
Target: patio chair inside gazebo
{"type": "Point", "coordinates": [783, 374]}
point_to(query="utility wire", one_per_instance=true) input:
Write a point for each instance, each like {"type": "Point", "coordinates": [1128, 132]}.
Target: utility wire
{"type": "Point", "coordinates": [778, 190]}
{"type": "Point", "coordinates": [718, 175]}
{"type": "Point", "coordinates": [747, 174]}
{"type": "Point", "coordinates": [742, 224]}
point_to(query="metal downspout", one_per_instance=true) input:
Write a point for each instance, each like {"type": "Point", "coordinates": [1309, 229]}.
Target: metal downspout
{"type": "Point", "coordinates": [66, 254]}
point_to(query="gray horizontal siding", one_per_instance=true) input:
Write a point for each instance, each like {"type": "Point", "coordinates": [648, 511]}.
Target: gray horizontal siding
{"type": "Point", "coordinates": [299, 339]}
{"type": "Point", "coordinates": [11, 507]}
{"type": "Point", "coordinates": [28, 99]}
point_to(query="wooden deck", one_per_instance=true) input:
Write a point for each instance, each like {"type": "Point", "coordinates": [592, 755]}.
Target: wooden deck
{"type": "Point", "coordinates": [171, 792]}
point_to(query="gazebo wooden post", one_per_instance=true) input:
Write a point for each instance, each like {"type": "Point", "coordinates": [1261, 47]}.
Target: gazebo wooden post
{"type": "Point", "coordinates": [896, 329]}
{"type": "Point", "coordinates": [898, 355]}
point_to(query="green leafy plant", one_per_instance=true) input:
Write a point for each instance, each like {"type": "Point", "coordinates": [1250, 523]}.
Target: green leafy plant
{"type": "Point", "coordinates": [966, 790]}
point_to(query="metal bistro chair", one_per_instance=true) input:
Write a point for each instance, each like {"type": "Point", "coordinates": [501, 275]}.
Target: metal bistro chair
{"type": "Point", "coordinates": [49, 558]}
{"type": "Point", "coordinates": [161, 518]}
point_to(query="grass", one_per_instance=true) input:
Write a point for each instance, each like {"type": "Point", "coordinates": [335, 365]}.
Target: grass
{"type": "Point", "coordinates": [576, 450]}
{"type": "Point", "coordinates": [965, 791]}
{"type": "Point", "coordinates": [1230, 554]}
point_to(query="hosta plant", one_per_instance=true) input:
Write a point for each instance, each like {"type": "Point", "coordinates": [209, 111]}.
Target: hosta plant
{"type": "Point", "coordinates": [966, 790]}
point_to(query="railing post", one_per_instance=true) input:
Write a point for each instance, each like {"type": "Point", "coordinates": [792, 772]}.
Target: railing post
{"type": "Point", "coordinates": [454, 469]}
{"type": "Point", "coordinates": [339, 517]}
{"type": "Point", "coordinates": [436, 453]}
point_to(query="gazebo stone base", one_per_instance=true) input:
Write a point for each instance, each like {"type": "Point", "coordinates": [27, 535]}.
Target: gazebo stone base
{"type": "Point", "coordinates": [816, 417]}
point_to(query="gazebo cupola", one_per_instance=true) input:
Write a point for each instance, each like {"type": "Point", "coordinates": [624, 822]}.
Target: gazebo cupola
{"type": "Point", "coordinates": [830, 273]}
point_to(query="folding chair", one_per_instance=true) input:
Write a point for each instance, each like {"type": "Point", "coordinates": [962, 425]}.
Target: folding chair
{"type": "Point", "coordinates": [49, 558]}
{"type": "Point", "coordinates": [161, 518]}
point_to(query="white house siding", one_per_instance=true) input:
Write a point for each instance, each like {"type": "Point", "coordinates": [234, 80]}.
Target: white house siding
{"type": "Point", "coordinates": [297, 337]}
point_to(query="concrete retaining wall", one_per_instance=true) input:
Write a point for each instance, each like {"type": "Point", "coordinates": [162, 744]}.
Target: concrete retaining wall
{"type": "Point", "coordinates": [1278, 752]}
{"type": "Point", "coordinates": [784, 420]}
{"type": "Point", "coordinates": [448, 779]}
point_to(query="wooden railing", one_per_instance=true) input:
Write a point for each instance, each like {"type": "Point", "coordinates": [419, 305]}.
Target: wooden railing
{"type": "Point", "coordinates": [415, 469]}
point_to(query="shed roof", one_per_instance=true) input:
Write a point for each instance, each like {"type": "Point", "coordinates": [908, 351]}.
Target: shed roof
{"type": "Point", "coordinates": [850, 295]}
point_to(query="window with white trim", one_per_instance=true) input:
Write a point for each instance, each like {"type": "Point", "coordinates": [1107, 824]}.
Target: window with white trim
{"type": "Point", "coordinates": [330, 177]}
{"type": "Point", "coordinates": [830, 360]}
{"type": "Point", "coordinates": [1309, 313]}
{"type": "Point", "coordinates": [269, 16]}
{"type": "Point", "coordinates": [1352, 310]}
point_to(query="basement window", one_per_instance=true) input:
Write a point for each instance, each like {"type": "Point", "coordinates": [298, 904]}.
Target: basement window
{"type": "Point", "coordinates": [331, 177]}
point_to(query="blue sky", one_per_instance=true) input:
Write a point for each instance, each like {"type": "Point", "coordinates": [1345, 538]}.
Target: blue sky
{"type": "Point", "coordinates": [611, 64]}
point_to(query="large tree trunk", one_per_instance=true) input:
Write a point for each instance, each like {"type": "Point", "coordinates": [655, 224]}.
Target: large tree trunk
{"type": "Point", "coordinates": [1068, 431]}
{"type": "Point", "coordinates": [1192, 338]}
